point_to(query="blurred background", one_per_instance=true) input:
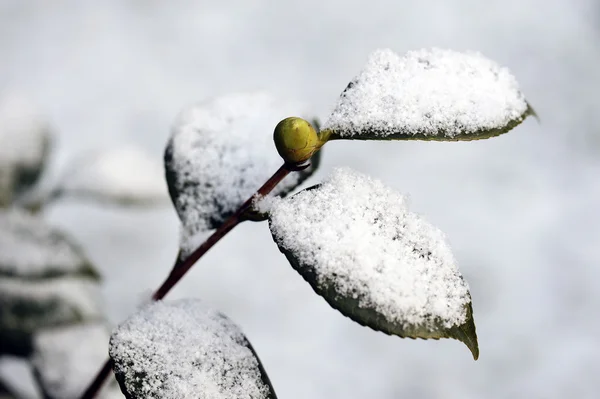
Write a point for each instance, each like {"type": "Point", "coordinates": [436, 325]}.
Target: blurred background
{"type": "Point", "coordinates": [521, 211]}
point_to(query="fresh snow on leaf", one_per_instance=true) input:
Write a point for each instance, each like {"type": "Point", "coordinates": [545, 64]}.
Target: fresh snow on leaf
{"type": "Point", "coordinates": [262, 204]}
{"type": "Point", "coordinates": [27, 306]}
{"type": "Point", "coordinates": [124, 175]}
{"type": "Point", "coordinates": [182, 349]}
{"type": "Point", "coordinates": [220, 152]}
{"type": "Point", "coordinates": [428, 94]}
{"type": "Point", "coordinates": [66, 359]}
{"type": "Point", "coordinates": [356, 242]}
{"type": "Point", "coordinates": [30, 248]}
{"type": "Point", "coordinates": [24, 146]}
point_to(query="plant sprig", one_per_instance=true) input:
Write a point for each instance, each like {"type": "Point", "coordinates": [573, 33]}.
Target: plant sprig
{"type": "Point", "coordinates": [427, 95]}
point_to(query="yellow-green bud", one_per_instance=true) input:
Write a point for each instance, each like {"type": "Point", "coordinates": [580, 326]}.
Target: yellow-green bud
{"type": "Point", "coordinates": [296, 140]}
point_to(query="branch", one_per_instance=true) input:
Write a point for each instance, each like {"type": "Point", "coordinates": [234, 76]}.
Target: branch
{"type": "Point", "coordinates": [182, 266]}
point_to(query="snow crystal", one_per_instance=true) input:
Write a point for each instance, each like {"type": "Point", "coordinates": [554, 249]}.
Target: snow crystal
{"type": "Point", "coordinates": [182, 349]}
{"type": "Point", "coordinates": [357, 234]}
{"type": "Point", "coordinates": [220, 152]}
{"type": "Point", "coordinates": [264, 203]}
{"type": "Point", "coordinates": [123, 175]}
{"type": "Point", "coordinates": [66, 359]}
{"type": "Point", "coordinates": [428, 93]}
{"type": "Point", "coordinates": [31, 248]}
{"type": "Point", "coordinates": [24, 143]}
{"type": "Point", "coordinates": [29, 305]}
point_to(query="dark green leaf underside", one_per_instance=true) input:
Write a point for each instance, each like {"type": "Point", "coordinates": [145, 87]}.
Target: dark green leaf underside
{"type": "Point", "coordinates": [369, 133]}
{"type": "Point", "coordinates": [349, 307]}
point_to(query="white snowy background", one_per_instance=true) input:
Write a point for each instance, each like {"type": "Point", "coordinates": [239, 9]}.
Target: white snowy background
{"type": "Point", "coordinates": [521, 211]}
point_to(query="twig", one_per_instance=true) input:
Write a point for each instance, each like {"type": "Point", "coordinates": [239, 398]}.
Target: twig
{"type": "Point", "coordinates": [182, 266]}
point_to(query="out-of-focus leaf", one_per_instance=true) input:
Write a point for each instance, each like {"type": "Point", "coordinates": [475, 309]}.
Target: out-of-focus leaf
{"type": "Point", "coordinates": [428, 95]}
{"type": "Point", "coordinates": [28, 306]}
{"type": "Point", "coordinates": [123, 176]}
{"type": "Point", "coordinates": [182, 349]}
{"type": "Point", "coordinates": [32, 249]}
{"type": "Point", "coordinates": [25, 141]}
{"type": "Point", "coordinates": [65, 359]}
{"type": "Point", "coordinates": [220, 152]}
{"type": "Point", "coordinates": [6, 391]}
{"type": "Point", "coordinates": [359, 247]}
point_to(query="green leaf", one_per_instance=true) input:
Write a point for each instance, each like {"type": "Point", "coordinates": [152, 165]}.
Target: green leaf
{"type": "Point", "coordinates": [432, 94]}
{"type": "Point", "coordinates": [184, 349]}
{"type": "Point", "coordinates": [220, 152]}
{"type": "Point", "coordinates": [360, 248]}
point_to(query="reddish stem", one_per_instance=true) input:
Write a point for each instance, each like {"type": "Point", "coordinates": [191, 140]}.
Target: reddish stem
{"type": "Point", "coordinates": [182, 266]}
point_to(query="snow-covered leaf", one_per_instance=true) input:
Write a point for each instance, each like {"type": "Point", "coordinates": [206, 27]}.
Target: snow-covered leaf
{"type": "Point", "coordinates": [428, 95]}
{"type": "Point", "coordinates": [182, 349]}
{"type": "Point", "coordinates": [125, 176]}
{"type": "Point", "coordinates": [24, 147]}
{"type": "Point", "coordinates": [65, 359]}
{"type": "Point", "coordinates": [28, 306]}
{"type": "Point", "coordinates": [30, 248]}
{"type": "Point", "coordinates": [220, 152]}
{"type": "Point", "coordinates": [358, 245]}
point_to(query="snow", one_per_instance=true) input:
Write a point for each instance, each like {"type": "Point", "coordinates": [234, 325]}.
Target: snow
{"type": "Point", "coordinates": [183, 349]}
{"type": "Point", "coordinates": [357, 235]}
{"type": "Point", "coordinates": [220, 152]}
{"type": "Point", "coordinates": [263, 203]}
{"type": "Point", "coordinates": [125, 175]}
{"type": "Point", "coordinates": [30, 305]}
{"type": "Point", "coordinates": [66, 358]}
{"type": "Point", "coordinates": [521, 209]}
{"type": "Point", "coordinates": [432, 93]}
{"type": "Point", "coordinates": [31, 248]}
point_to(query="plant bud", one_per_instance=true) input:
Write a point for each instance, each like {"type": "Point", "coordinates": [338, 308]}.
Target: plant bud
{"type": "Point", "coordinates": [296, 140]}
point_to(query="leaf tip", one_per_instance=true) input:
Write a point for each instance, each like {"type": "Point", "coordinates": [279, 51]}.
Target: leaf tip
{"type": "Point", "coordinates": [474, 348]}
{"type": "Point", "coordinates": [531, 112]}
{"type": "Point", "coordinates": [467, 336]}
{"type": "Point", "coordinates": [467, 333]}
